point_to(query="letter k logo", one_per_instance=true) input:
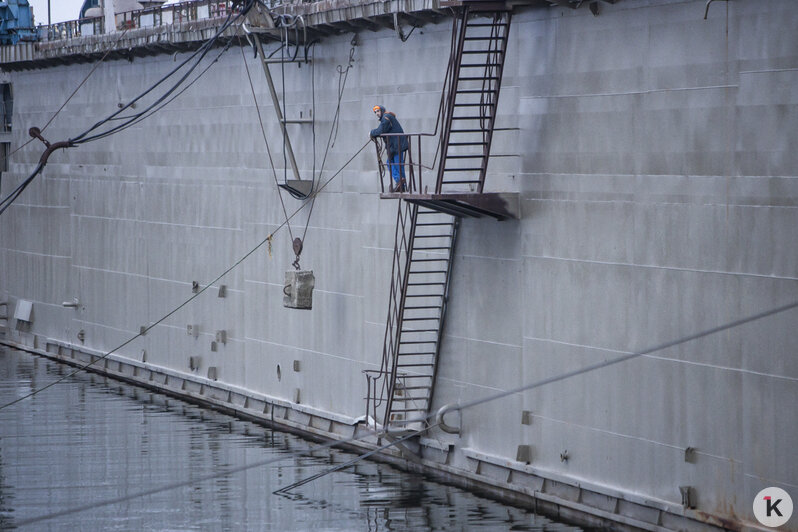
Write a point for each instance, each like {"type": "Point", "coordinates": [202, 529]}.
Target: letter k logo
{"type": "Point", "coordinates": [773, 507]}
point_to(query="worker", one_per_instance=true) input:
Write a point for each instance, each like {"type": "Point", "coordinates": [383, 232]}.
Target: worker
{"type": "Point", "coordinates": [397, 145]}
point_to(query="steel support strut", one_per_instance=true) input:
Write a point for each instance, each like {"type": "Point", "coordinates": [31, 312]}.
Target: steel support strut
{"type": "Point", "coordinates": [277, 109]}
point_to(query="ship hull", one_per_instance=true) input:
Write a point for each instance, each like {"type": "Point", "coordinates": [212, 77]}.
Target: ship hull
{"type": "Point", "coordinates": [651, 152]}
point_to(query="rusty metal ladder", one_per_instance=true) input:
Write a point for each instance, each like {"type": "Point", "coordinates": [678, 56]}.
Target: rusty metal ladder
{"type": "Point", "coordinates": [472, 98]}
{"type": "Point", "coordinates": [421, 272]}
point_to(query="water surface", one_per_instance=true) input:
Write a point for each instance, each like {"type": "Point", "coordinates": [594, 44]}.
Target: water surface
{"type": "Point", "coordinates": [89, 440]}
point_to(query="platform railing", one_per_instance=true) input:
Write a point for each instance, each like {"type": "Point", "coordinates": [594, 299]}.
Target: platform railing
{"type": "Point", "coordinates": [413, 165]}
{"type": "Point", "coordinates": [380, 382]}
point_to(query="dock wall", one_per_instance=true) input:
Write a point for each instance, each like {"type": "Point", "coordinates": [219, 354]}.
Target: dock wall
{"type": "Point", "coordinates": [652, 150]}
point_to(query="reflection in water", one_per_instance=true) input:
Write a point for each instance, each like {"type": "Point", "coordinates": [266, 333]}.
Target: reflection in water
{"type": "Point", "coordinates": [90, 439]}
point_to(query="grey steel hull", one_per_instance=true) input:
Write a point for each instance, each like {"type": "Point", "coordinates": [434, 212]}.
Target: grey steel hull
{"type": "Point", "coordinates": [653, 154]}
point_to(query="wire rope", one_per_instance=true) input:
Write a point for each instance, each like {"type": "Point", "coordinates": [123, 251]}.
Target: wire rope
{"type": "Point", "coordinates": [74, 92]}
{"type": "Point", "coordinates": [284, 125]}
{"type": "Point", "coordinates": [188, 85]}
{"type": "Point", "coordinates": [561, 377]}
{"type": "Point", "coordinates": [413, 433]}
{"type": "Point", "coordinates": [343, 74]}
{"type": "Point", "coordinates": [7, 156]}
{"type": "Point", "coordinates": [201, 52]}
{"type": "Point", "coordinates": [190, 299]}
{"type": "Point", "coordinates": [12, 197]}
{"type": "Point", "coordinates": [266, 141]}
{"type": "Point", "coordinates": [614, 361]}
{"type": "Point", "coordinates": [542, 382]}
{"type": "Point", "coordinates": [352, 462]}
{"type": "Point", "coordinates": [180, 484]}
{"type": "Point", "coordinates": [82, 138]}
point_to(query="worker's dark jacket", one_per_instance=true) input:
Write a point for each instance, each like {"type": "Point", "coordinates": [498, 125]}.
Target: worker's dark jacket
{"type": "Point", "coordinates": [389, 124]}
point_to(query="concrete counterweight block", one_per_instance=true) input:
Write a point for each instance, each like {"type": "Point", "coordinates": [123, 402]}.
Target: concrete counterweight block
{"type": "Point", "coordinates": [298, 289]}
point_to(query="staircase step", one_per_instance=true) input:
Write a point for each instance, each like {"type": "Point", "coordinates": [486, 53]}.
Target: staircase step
{"type": "Point", "coordinates": [462, 169]}
{"type": "Point", "coordinates": [411, 354]}
{"type": "Point", "coordinates": [435, 318]}
{"type": "Point", "coordinates": [479, 65]}
{"type": "Point", "coordinates": [419, 365]}
{"type": "Point", "coordinates": [426, 284]}
{"type": "Point", "coordinates": [472, 52]}
{"type": "Point", "coordinates": [479, 78]}
{"type": "Point", "coordinates": [444, 259]}
{"type": "Point", "coordinates": [407, 410]}
{"type": "Point", "coordinates": [408, 399]}
{"type": "Point", "coordinates": [475, 91]}
{"type": "Point", "coordinates": [418, 330]}
{"type": "Point", "coordinates": [485, 24]}
{"type": "Point", "coordinates": [468, 131]}
{"type": "Point", "coordinates": [465, 156]}
{"type": "Point", "coordinates": [448, 182]}
{"type": "Point", "coordinates": [441, 224]}
{"type": "Point", "coordinates": [433, 236]}
{"type": "Point", "coordinates": [473, 104]}
{"type": "Point", "coordinates": [417, 387]}
{"type": "Point", "coordinates": [429, 271]}
{"type": "Point", "coordinates": [418, 307]}
{"type": "Point", "coordinates": [481, 143]}
{"type": "Point", "coordinates": [490, 38]}
{"type": "Point", "coordinates": [426, 248]}
{"type": "Point", "coordinates": [428, 295]}
{"type": "Point", "coordinates": [468, 118]}
{"type": "Point", "coordinates": [415, 376]}
{"type": "Point", "coordinates": [416, 342]}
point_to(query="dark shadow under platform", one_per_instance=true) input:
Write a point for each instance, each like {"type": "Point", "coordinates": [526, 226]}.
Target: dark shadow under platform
{"type": "Point", "coordinates": [499, 205]}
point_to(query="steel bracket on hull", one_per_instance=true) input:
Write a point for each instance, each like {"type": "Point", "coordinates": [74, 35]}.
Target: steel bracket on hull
{"type": "Point", "coordinates": [295, 187]}
{"type": "Point", "coordinates": [298, 188]}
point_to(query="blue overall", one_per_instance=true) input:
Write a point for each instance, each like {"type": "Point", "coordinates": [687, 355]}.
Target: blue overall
{"type": "Point", "coordinates": [397, 146]}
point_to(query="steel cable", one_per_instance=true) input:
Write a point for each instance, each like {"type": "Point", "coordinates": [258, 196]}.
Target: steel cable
{"type": "Point", "coordinates": [613, 361]}
{"type": "Point", "coordinates": [193, 296]}
{"type": "Point", "coordinates": [6, 202]}
{"type": "Point", "coordinates": [201, 52]}
{"type": "Point", "coordinates": [74, 92]}
{"type": "Point", "coordinates": [542, 382]}
{"type": "Point", "coordinates": [343, 74]}
{"type": "Point", "coordinates": [266, 141]}
{"type": "Point", "coordinates": [413, 433]}
{"type": "Point", "coordinates": [176, 485]}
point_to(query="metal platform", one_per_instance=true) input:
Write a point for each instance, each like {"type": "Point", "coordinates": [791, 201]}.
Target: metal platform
{"type": "Point", "coordinates": [499, 205]}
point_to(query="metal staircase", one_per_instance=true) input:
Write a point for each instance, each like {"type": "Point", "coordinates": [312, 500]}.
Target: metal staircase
{"type": "Point", "coordinates": [473, 96]}
{"type": "Point", "coordinates": [401, 391]}
{"type": "Point", "coordinates": [422, 264]}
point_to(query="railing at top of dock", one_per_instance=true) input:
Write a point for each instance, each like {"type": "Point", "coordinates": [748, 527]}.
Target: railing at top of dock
{"type": "Point", "coordinates": [190, 11]}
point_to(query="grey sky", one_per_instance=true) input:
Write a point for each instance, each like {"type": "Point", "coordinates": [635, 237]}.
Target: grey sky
{"type": "Point", "coordinates": [60, 10]}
